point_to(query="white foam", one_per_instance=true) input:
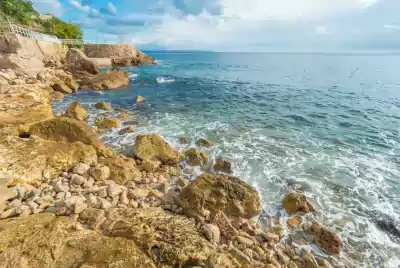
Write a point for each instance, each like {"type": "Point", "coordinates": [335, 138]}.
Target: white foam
{"type": "Point", "coordinates": [163, 80]}
{"type": "Point", "coordinates": [133, 76]}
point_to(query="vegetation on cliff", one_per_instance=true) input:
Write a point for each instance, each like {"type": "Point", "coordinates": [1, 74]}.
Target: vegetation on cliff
{"type": "Point", "coordinates": [22, 12]}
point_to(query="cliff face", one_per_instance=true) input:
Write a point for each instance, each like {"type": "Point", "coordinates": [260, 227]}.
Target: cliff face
{"type": "Point", "coordinates": [26, 55]}
{"type": "Point", "coordinates": [120, 54]}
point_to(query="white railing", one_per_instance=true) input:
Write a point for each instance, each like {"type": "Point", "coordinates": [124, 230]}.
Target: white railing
{"type": "Point", "coordinates": [30, 34]}
{"type": "Point", "coordinates": [86, 42]}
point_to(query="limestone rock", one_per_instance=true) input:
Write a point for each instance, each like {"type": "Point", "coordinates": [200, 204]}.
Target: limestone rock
{"type": "Point", "coordinates": [122, 169]}
{"type": "Point", "coordinates": [110, 80]}
{"type": "Point", "coordinates": [63, 88]}
{"type": "Point", "coordinates": [66, 129]}
{"type": "Point", "coordinates": [221, 192]}
{"type": "Point", "coordinates": [225, 226]}
{"type": "Point", "coordinates": [24, 104]}
{"type": "Point", "coordinates": [127, 130]}
{"type": "Point", "coordinates": [81, 169]}
{"type": "Point", "coordinates": [69, 81]}
{"type": "Point", "coordinates": [297, 202]}
{"type": "Point", "coordinates": [100, 172]}
{"type": "Point", "coordinates": [103, 105]}
{"type": "Point", "coordinates": [153, 148]}
{"type": "Point", "coordinates": [204, 143]}
{"type": "Point", "coordinates": [31, 159]}
{"type": "Point", "coordinates": [76, 111]}
{"type": "Point", "coordinates": [150, 166]}
{"type": "Point", "coordinates": [76, 60]}
{"type": "Point", "coordinates": [56, 95]}
{"type": "Point", "coordinates": [195, 157]}
{"type": "Point", "coordinates": [49, 241]}
{"type": "Point", "coordinates": [212, 232]}
{"type": "Point", "coordinates": [326, 239]}
{"type": "Point", "coordinates": [107, 123]}
{"type": "Point", "coordinates": [222, 165]}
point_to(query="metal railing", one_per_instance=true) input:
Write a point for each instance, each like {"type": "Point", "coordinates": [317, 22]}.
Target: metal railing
{"type": "Point", "coordinates": [12, 28]}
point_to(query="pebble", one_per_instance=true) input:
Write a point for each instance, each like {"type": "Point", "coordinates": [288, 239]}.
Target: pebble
{"type": "Point", "coordinates": [92, 201]}
{"type": "Point", "coordinates": [114, 190]}
{"type": "Point", "coordinates": [100, 172]}
{"type": "Point", "coordinates": [245, 241]}
{"type": "Point", "coordinates": [77, 180]}
{"type": "Point", "coordinates": [89, 183]}
{"type": "Point", "coordinates": [32, 205]}
{"type": "Point", "coordinates": [144, 205]}
{"type": "Point", "coordinates": [102, 192]}
{"type": "Point", "coordinates": [212, 232]}
{"type": "Point", "coordinates": [103, 203]}
{"type": "Point", "coordinates": [133, 204]}
{"type": "Point", "coordinates": [60, 195]}
{"type": "Point", "coordinates": [138, 193]}
{"type": "Point", "coordinates": [64, 174]}
{"type": "Point", "coordinates": [123, 198]}
{"type": "Point", "coordinates": [60, 187]}
{"type": "Point", "coordinates": [81, 169]}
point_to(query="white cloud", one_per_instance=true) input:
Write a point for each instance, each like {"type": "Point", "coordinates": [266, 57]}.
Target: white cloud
{"type": "Point", "coordinates": [391, 27]}
{"type": "Point", "coordinates": [78, 5]}
{"type": "Point", "coordinates": [48, 7]}
{"type": "Point", "coordinates": [111, 8]}
{"type": "Point", "coordinates": [321, 30]}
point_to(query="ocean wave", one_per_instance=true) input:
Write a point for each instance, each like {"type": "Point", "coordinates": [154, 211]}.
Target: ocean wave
{"type": "Point", "coordinates": [133, 76]}
{"type": "Point", "coordinates": [164, 80]}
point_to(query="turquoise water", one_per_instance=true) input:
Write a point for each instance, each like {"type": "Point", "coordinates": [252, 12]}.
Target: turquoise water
{"type": "Point", "coordinates": [328, 124]}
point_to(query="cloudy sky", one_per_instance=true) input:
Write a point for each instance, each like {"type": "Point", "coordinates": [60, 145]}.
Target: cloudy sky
{"type": "Point", "coordinates": [237, 25]}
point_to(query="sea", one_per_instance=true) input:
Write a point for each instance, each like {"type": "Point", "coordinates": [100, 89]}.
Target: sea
{"type": "Point", "coordinates": [326, 124]}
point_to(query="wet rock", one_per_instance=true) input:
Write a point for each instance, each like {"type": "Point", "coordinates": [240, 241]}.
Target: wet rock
{"type": "Point", "coordinates": [212, 232]}
{"type": "Point", "coordinates": [294, 222]}
{"type": "Point", "coordinates": [139, 99]}
{"type": "Point", "coordinates": [56, 95]}
{"type": "Point", "coordinates": [204, 143]}
{"type": "Point", "coordinates": [103, 106]}
{"type": "Point", "coordinates": [297, 202]}
{"type": "Point", "coordinates": [127, 130]}
{"type": "Point", "coordinates": [107, 123]}
{"type": "Point", "coordinates": [123, 115]}
{"type": "Point", "coordinates": [183, 140]}
{"type": "Point", "coordinates": [100, 172]}
{"type": "Point", "coordinates": [76, 111]}
{"type": "Point", "coordinates": [229, 194]}
{"type": "Point", "coordinates": [154, 148]}
{"type": "Point", "coordinates": [326, 239]}
{"type": "Point", "coordinates": [222, 165]}
{"type": "Point", "coordinates": [195, 157]}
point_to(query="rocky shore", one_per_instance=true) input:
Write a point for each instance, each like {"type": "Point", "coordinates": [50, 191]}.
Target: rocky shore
{"type": "Point", "coordinates": [66, 200]}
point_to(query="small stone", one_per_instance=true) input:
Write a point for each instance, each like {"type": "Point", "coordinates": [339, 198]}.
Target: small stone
{"type": "Point", "coordinates": [52, 210]}
{"type": "Point", "coordinates": [115, 201]}
{"type": "Point", "coordinates": [92, 217]}
{"type": "Point", "coordinates": [100, 172]}
{"type": "Point", "coordinates": [60, 196]}
{"type": "Point", "coordinates": [81, 169]}
{"type": "Point", "coordinates": [212, 232]}
{"type": "Point", "coordinates": [270, 237]}
{"type": "Point", "coordinates": [144, 205]}
{"type": "Point", "coordinates": [182, 182]}
{"type": "Point", "coordinates": [77, 180]}
{"type": "Point", "coordinates": [225, 226]}
{"type": "Point", "coordinates": [282, 256]}
{"type": "Point", "coordinates": [89, 183]}
{"type": "Point", "coordinates": [204, 143]}
{"type": "Point", "coordinates": [91, 201]}
{"type": "Point", "coordinates": [103, 106]}
{"type": "Point", "coordinates": [239, 255]}
{"type": "Point", "coordinates": [123, 198]}
{"type": "Point", "coordinates": [309, 261]}
{"type": "Point", "coordinates": [60, 187]}
{"type": "Point", "coordinates": [123, 115]}
{"type": "Point", "coordinates": [45, 199]}
{"type": "Point", "coordinates": [248, 252]}
{"type": "Point", "coordinates": [139, 99]}
{"type": "Point", "coordinates": [164, 187]}
{"type": "Point", "coordinates": [102, 192]}
{"type": "Point", "coordinates": [138, 193]}
{"type": "Point", "coordinates": [64, 174]}
{"type": "Point", "coordinates": [127, 130]}
{"type": "Point", "coordinates": [297, 202]}
{"type": "Point", "coordinates": [104, 204]}
{"type": "Point", "coordinates": [246, 241]}
{"type": "Point", "coordinates": [114, 190]}
{"type": "Point", "coordinates": [294, 222]}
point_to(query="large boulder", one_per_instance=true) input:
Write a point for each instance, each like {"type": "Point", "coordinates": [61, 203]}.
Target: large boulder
{"type": "Point", "coordinates": [62, 87]}
{"type": "Point", "coordinates": [67, 130]}
{"type": "Point", "coordinates": [122, 169]}
{"type": "Point", "coordinates": [34, 158]}
{"type": "Point", "coordinates": [228, 194]}
{"type": "Point", "coordinates": [107, 123]}
{"type": "Point", "coordinates": [297, 202]}
{"type": "Point", "coordinates": [76, 111]}
{"type": "Point", "coordinates": [326, 239]}
{"type": "Point", "coordinates": [49, 241]}
{"type": "Point", "coordinates": [24, 104]}
{"type": "Point", "coordinates": [154, 148]}
{"type": "Point", "coordinates": [76, 60]}
{"type": "Point", "coordinates": [110, 80]}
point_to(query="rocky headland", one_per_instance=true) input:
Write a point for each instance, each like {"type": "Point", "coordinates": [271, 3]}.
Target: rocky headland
{"type": "Point", "coordinates": [66, 200]}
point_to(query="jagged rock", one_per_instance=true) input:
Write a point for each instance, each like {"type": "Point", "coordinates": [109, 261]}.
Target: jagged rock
{"type": "Point", "coordinates": [123, 115]}
{"type": "Point", "coordinates": [309, 261]}
{"type": "Point", "coordinates": [195, 157]}
{"type": "Point", "coordinates": [326, 239]}
{"type": "Point", "coordinates": [225, 226]}
{"type": "Point", "coordinates": [69, 81]}
{"type": "Point", "coordinates": [24, 104]}
{"type": "Point", "coordinates": [65, 129]}
{"type": "Point", "coordinates": [100, 172]}
{"type": "Point", "coordinates": [103, 105]}
{"type": "Point", "coordinates": [50, 241]}
{"type": "Point", "coordinates": [122, 169]}
{"type": "Point", "coordinates": [63, 88]}
{"type": "Point", "coordinates": [222, 165]}
{"type": "Point", "coordinates": [153, 148]}
{"type": "Point", "coordinates": [45, 158]}
{"type": "Point", "coordinates": [221, 192]}
{"type": "Point", "coordinates": [150, 166]}
{"type": "Point", "coordinates": [56, 95]}
{"type": "Point", "coordinates": [76, 60]}
{"type": "Point", "coordinates": [297, 202]}
{"type": "Point", "coordinates": [107, 123]}
{"type": "Point", "coordinates": [127, 130]}
{"type": "Point", "coordinates": [110, 80]}
{"type": "Point", "coordinates": [139, 99]}
{"type": "Point", "coordinates": [204, 143]}
{"type": "Point", "coordinates": [76, 111]}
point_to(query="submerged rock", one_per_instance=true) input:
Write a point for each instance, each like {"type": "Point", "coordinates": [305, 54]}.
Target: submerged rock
{"type": "Point", "coordinates": [107, 123]}
{"type": "Point", "coordinates": [297, 202]}
{"type": "Point", "coordinates": [204, 143]}
{"type": "Point", "coordinates": [127, 130]}
{"type": "Point", "coordinates": [326, 239]}
{"type": "Point", "coordinates": [195, 157]}
{"type": "Point", "coordinates": [76, 111]}
{"type": "Point", "coordinates": [56, 95]}
{"type": "Point", "coordinates": [228, 194]}
{"type": "Point", "coordinates": [153, 148]}
{"type": "Point", "coordinates": [183, 140]}
{"type": "Point", "coordinates": [222, 165]}
{"type": "Point", "coordinates": [103, 105]}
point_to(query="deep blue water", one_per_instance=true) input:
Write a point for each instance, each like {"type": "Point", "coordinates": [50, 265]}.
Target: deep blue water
{"type": "Point", "coordinates": [327, 122]}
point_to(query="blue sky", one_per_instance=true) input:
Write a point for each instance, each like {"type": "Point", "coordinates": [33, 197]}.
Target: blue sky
{"type": "Point", "coordinates": [237, 25]}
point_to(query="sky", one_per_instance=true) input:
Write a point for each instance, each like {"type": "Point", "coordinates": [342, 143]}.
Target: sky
{"type": "Point", "coordinates": [237, 25]}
